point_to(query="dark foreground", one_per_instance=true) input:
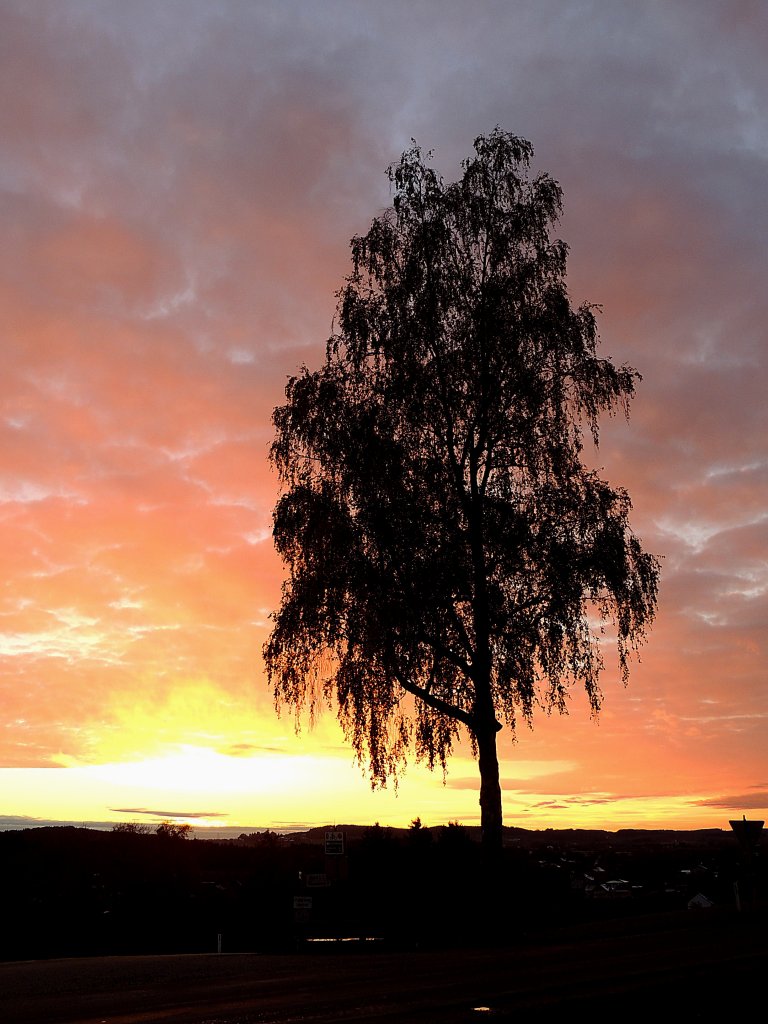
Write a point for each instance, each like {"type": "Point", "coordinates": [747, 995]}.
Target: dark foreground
{"type": "Point", "coordinates": [702, 965]}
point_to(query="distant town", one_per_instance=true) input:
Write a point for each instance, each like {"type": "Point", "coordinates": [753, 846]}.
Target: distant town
{"type": "Point", "coordinates": [73, 891]}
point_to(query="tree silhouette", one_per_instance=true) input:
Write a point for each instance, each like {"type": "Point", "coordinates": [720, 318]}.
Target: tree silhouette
{"type": "Point", "coordinates": [452, 562]}
{"type": "Point", "coordinates": [172, 830]}
{"type": "Point", "coordinates": [134, 828]}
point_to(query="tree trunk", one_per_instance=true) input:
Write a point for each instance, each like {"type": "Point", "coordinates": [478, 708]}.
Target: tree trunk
{"type": "Point", "coordinates": [490, 789]}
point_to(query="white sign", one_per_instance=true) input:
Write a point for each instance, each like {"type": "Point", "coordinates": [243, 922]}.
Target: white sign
{"type": "Point", "coordinates": [317, 881]}
{"type": "Point", "coordinates": [334, 842]}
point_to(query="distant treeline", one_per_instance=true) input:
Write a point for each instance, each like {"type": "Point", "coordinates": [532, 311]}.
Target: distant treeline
{"type": "Point", "coordinates": [76, 891]}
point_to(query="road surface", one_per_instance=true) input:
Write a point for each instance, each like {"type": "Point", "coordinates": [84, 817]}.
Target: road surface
{"type": "Point", "coordinates": [701, 967]}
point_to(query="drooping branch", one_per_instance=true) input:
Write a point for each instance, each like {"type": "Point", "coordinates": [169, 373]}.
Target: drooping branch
{"type": "Point", "coordinates": [435, 702]}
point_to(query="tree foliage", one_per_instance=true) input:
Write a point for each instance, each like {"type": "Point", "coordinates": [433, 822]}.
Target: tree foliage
{"type": "Point", "coordinates": [173, 830]}
{"type": "Point", "coordinates": [452, 562]}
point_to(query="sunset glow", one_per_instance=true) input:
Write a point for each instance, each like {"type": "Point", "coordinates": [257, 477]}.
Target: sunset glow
{"type": "Point", "coordinates": [179, 181]}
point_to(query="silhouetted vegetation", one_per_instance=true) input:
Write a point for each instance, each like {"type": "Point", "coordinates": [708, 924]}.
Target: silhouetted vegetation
{"type": "Point", "coordinates": [135, 828]}
{"type": "Point", "coordinates": [171, 830]}
{"type": "Point", "coordinates": [452, 561]}
{"type": "Point", "coordinates": [71, 891]}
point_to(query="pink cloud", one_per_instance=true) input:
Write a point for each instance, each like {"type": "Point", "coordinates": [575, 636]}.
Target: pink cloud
{"type": "Point", "coordinates": [178, 186]}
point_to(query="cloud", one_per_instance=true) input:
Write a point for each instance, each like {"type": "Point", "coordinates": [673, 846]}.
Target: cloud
{"type": "Point", "coordinates": [528, 773]}
{"type": "Point", "coordinates": [172, 815]}
{"type": "Point", "coordinates": [178, 185]}
{"type": "Point", "coordinates": [248, 750]}
{"type": "Point", "coordinates": [747, 801]}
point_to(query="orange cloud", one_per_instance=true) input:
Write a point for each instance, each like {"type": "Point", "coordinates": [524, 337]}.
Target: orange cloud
{"type": "Point", "coordinates": [178, 187]}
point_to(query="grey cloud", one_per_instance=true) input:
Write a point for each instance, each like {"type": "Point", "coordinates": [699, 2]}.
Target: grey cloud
{"type": "Point", "coordinates": [747, 801]}
{"type": "Point", "coordinates": [233, 149]}
{"type": "Point", "coordinates": [154, 813]}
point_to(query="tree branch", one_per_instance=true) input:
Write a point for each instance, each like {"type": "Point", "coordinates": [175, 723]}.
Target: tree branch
{"type": "Point", "coordinates": [445, 652]}
{"type": "Point", "coordinates": [443, 706]}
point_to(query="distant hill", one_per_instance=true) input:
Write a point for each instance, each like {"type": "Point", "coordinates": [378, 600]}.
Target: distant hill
{"type": "Point", "coordinates": [529, 838]}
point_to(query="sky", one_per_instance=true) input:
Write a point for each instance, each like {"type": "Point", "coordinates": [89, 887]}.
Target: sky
{"type": "Point", "coordinates": [179, 183]}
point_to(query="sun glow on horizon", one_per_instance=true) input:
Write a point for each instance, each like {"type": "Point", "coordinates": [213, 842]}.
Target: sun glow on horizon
{"type": "Point", "coordinates": [203, 771]}
{"type": "Point", "coordinates": [195, 753]}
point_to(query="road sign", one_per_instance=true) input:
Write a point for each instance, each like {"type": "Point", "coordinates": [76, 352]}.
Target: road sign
{"type": "Point", "coordinates": [334, 843]}
{"type": "Point", "coordinates": [302, 902]}
{"type": "Point", "coordinates": [317, 881]}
